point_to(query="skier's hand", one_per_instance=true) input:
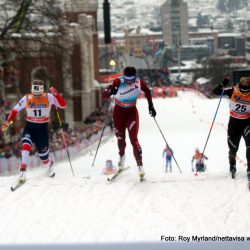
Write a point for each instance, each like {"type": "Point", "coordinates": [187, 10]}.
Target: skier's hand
{"type": "Point", "coordinates": [113, 91]}
{"type": "Point", "coordinates": [225, 82]}
{"type": "Point", "coordinates": [152, 111]}
{"type": "Point", "coordinates": [6, 125]}
{"type": "Point", "coordinates": [53, 91]}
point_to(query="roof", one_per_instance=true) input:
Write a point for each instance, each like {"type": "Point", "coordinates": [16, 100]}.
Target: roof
{"type": "Point", "coordinates": [202, 80]}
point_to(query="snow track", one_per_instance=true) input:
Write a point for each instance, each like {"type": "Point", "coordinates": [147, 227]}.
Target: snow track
{"type": "Point", "coordinates": [79, 210]}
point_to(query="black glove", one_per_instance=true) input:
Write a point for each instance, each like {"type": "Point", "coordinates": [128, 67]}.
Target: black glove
{"type": "Point", "coordinates": [152, 111]}
{"type": "Point", "coordinates": [225, 82]}
{"type": "Point", "coordinates": [113, 91]}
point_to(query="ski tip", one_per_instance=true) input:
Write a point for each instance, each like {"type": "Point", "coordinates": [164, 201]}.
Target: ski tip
{"type": "Point", "coordinates": [53, 175]}
{"type": "Point", "coordinates": [86, 177]}
{"type": "Point", "coordinates": [14, 188]}
{"type": "Point", "coordinates": [18, 185]}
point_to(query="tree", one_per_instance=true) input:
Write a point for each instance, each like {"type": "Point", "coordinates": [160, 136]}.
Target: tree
{"type": "Point", "coordinates": [221, 6]}
{"type": "Point", "coordinates": [217, 68]}
{"type": "Point", "coordinates": [33, 27]}
{"type": "Point", "coordinates": [19, 16]}
{"type": "Point", "coordinates": [229, 25]}
{"type": "Point", "coordinates": [30, 28]}
{"type": "Point", "coordinates": [245, 3]}
{"type": "Point", "coordinates": [233, 5]}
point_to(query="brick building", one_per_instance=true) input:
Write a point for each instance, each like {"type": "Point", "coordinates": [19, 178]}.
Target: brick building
{"type": "Point", "coordinates": [73, 73]}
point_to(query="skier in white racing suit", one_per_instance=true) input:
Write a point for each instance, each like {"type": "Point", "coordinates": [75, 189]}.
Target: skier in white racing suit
{"type": "Point", "coordinates": [38, 105]}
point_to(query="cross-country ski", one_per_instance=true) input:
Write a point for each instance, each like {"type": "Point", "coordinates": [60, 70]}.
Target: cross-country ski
{"type": "Point", "coordinates": [117, 173]}
{"type": "Point", "coordinates": [17, 185]}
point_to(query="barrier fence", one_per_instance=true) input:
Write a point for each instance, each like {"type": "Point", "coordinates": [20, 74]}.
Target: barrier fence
{"type": "Point", "coordinates": [12, 165]}
{"type": "Point", "coordinates": [172, 91]}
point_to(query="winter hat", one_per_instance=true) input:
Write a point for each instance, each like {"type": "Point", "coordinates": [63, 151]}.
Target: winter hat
{"type": "Point", "coordinates": [109, 164]}
{"type": "Point", "coordinates": [129, 74]}
{"type": "Point", "coordinates": [244, 86]}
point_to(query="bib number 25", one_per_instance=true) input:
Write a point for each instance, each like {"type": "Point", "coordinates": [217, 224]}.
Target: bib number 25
{"type": "Point", "coordinates": [241, 108]}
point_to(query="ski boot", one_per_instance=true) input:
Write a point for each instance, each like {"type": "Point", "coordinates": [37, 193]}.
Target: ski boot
{"type": "Point", "coordinates": [121, 162]}
{"type": "Point", "coordinates": [141, 172]}
{"type": "Point", "coordinates": [233, 171]}
{"type": "Point", "coordinates": [22, 176]}
{"type": "Point", "coordinates": [51, 172]}
{"type": "Point", "coordinates": [248, 177]}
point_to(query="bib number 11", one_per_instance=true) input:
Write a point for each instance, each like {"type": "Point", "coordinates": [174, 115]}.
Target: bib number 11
{"type": "Point", "coordinates": [37, 112]}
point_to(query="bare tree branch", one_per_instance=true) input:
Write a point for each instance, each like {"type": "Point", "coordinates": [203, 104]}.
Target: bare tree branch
{"type": "Point", "coordinates": [16, 22]}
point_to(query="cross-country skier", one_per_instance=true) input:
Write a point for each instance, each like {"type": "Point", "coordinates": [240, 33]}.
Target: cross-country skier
{"type": "Point", "coordinates": [199, 165]}
{"type": "Point", "coordinates": [168, 153]}
{"type": "Point", "coordinates": [37, 104]}
{"type": "Point", "coordinates": [109, 169]}
{"type": "Point", "coordinates": [239, 121]}
{"type": "Point", "coordinates": [126, 89]}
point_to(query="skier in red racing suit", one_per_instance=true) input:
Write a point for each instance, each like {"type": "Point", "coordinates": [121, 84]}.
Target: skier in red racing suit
{"type": "Point", "coordinates": [126, 89]}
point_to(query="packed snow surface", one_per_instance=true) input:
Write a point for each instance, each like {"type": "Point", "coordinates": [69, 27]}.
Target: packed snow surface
{"type": "Point", "coordinates": [69, 209]}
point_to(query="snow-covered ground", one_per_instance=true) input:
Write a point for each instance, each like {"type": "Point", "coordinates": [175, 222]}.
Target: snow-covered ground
{"type": "Point", "coordinates": [70, 209]}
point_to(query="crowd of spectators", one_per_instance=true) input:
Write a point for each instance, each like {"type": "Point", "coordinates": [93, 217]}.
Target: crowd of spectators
{"type": "Point", "coordinates": [83, 131]}
{"type": "Point", "coordinates": [73, 136]}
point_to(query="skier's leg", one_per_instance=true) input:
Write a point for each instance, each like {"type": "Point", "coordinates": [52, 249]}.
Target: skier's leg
{"type": "Point", "coordinates": [42, 144]}
{"type": "Point", "coordinates": [26, 148]}
{"type": "Point", "coordinates": [246, 137]}
{"type": "Point", "coordinates": [233, 139]}
{"type": "Point", "coordinates": [133, 127]}
{"type": "Point", "coordinates": [119, 120]}
{"type": "Point", "coordinates": [166, 165]}
{"type": "Point", "coordinates": [202, 167]}
{"type": "Point", "coordinates": [196, 167]}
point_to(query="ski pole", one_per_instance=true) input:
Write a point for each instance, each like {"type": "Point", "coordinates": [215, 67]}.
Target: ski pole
{"type": "Point", "coordinates": [63, 137]}
{"type": "Point", "coordinates": [202, 156]}
{"type": "Point", "coordinates": [104, 125]}
{"type": "Point", "coordinates": [167, 145]}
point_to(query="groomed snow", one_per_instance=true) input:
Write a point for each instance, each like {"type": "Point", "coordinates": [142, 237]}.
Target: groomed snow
{"type": "Point", "coordinates": [70, 209]}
